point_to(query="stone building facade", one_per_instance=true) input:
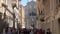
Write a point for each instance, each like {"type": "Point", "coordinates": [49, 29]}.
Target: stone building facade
{"type": "Point", "coordinates": [51, 15]}
{"type": "Point", "coordinates": [9, 12]}
{"type": "Point", "coordinates": [30, 14]}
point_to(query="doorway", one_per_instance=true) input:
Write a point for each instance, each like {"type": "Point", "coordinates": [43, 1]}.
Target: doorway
{"type": "Point", "coordinates": [59, 24]}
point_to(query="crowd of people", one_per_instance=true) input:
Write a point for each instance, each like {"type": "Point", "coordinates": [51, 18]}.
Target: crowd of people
{"type": "Point", "coordinates": [24, 31]}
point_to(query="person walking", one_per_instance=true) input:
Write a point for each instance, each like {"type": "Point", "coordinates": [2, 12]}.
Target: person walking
{"type": "Point", "coordinates": [9, 31]}
{"type": "Point", "coordinates": [35, 32]}
{"type": "Point", "coordinates": [13, 31]}
{"type": "Point", "coordinates": [31, 32]}
{"type": "Point", "coordinates": [4, 31]}
{"type": "Point", "coordinates": [25, 31]}
{"type": "Point", "coordinates": [48, 31]}
{"type": "Point", "coordinates": [43, 31]}
{"type": "Point", "coordinates": [40, 31]}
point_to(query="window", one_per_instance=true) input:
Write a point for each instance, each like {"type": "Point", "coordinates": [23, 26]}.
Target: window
{"type": "Point", "coordinates": [38, 0]}
{"type": "Point", "coordinates": [32, 14]}
{"type": "Point", "coordinates": [42, 19]}
{"type": "Point", "coordinates": [44, 2]}
{"type": "Point", "coordinates": [59, 1]}
{"type": "Point", "coordinates": [58, 20]}
{"type": "Point", "coordinates": [35, 7]}
{"type": "Point", "coordinates": [41, 13]}
{"type": "Point", "coordinates": [29, 14]}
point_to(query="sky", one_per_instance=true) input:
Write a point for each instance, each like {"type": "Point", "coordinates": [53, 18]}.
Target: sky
{"type": "Point", "coordinates": [23, 2]}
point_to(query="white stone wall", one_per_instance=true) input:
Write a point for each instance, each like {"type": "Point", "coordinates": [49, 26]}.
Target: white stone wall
{"type": "Point", "coordinates": [9, 17]}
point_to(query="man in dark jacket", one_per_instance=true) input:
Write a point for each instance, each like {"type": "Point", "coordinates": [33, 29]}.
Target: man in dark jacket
{"type": "Point", "coordinates": [48, 31]}
{"type": "Point", "coordinates": [43, 31]}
